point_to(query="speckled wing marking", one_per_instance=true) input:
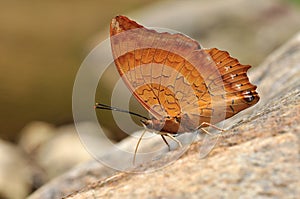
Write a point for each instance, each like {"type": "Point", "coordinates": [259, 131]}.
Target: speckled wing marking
{"type": "Point", "coordinates": [240, 93]}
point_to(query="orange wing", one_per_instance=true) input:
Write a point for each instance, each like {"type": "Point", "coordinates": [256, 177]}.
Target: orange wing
{"type": "Point", "coordinates": [171, 76]}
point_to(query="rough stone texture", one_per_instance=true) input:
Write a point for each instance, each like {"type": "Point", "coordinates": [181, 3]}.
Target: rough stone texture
{"type": "Point", "coordinates": [76, 179]}
{"type": "Point", "coordinates": [248, 170]}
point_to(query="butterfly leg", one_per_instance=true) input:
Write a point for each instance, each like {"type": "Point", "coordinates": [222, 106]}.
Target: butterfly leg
{"type": "Point", "coordinates": [164, 139]}
{"type": "Point", "coordinates": [211, 125]}
{"type": "Point", "coordinates": [174, 139]}
{"type": "Point", "coordinates": [137, 146]}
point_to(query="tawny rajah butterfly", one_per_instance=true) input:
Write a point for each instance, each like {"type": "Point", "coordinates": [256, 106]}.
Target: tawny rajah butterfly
{"type": "Point", "coordinates": [183, 86]}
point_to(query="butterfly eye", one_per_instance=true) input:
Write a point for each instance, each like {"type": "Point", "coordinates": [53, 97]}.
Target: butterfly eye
{"type": "Point", "coordinates": [177, 119]}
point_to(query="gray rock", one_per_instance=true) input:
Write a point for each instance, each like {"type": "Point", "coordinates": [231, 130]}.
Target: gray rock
{"type": "Point", "coordinates": [66, 151]}
{"type": "Point", "coordinates": [62, 152]}
{"type": "Point", "coordinates": [34, 135]}
{"type": "Point", "coordinates": [15, 174]}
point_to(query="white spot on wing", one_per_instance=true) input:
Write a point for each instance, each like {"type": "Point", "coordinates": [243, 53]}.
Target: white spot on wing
{"type": "Point", "coordinates": [238, 86]}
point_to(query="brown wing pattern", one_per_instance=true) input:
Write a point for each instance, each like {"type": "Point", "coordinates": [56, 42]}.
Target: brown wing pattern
{"type": "Point", "coordinates": [149, 67]}
{"type": "Point", "coordinates": [171, 76]}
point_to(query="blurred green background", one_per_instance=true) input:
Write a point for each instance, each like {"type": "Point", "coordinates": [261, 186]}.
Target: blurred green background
{"type": "Point", "coordinates": [42, 44]}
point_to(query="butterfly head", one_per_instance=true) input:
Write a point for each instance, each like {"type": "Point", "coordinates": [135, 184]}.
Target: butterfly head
{"type": "Point", "coordinates": [166, 124]}
{"type": "Point", "coordinates": [153, 124]}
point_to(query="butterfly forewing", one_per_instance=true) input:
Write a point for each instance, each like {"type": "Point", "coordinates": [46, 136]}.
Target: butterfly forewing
{"type": "Point", "coordinates": [150, 66]}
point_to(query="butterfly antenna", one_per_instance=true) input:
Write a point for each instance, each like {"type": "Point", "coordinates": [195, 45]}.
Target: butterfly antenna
{"type": "Point", "coordinates": [107, 107]}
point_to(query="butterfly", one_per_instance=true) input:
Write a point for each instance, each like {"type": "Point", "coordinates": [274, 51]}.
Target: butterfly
{"type": "Point", "coordinates": [183, 86]}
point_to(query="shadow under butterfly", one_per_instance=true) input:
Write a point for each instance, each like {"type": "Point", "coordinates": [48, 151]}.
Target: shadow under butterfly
{"type": "Point", "coordinates": [184, 87]}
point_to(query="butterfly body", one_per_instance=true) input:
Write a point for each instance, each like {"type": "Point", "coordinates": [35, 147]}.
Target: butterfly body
{"type": "Point", "coordinates": [170, 125]}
